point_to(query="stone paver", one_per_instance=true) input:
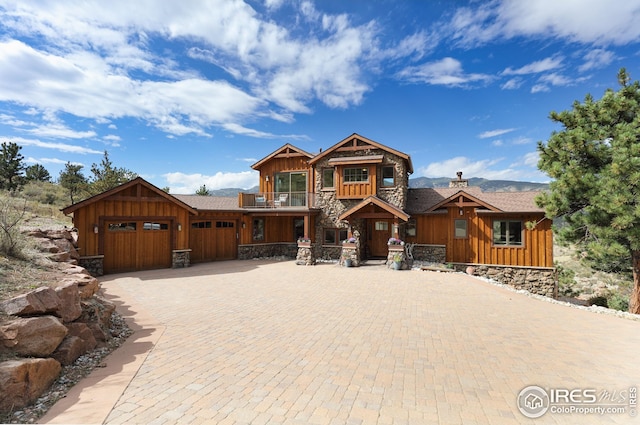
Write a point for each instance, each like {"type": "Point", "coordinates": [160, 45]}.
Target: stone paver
{"type": "Point", "coordinates": [255, 342]}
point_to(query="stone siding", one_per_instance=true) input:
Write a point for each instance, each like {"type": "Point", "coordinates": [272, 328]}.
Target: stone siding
{"type": "Point", "coordinates": [305, 256]}
{"type": "Point", "coordinates": [93, 264]}
{"type": "Point", "coordinates": [429, 253]}
{"type": "Point", "coordinates": [540, 281]}
{"type": "Point", "coordinates": [268, 250]}
{"type": "Point", "coordinates": [181, 258]}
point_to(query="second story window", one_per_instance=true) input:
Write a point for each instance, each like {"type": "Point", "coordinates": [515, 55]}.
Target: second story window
{"type": "Point", "coordinates": [327, 178]}
{"type": "Point", "coordinates": [388, 176]}
{"type": "Point", "coordinates": [356, 175]}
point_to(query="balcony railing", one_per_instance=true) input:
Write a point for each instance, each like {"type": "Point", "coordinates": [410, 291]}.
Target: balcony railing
{"type": "Point", "coordinates": [276, 200]}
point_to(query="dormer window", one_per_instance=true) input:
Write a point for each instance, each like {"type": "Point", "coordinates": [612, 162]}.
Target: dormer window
{"type": "Point", "coordinates": [388, 176]}
{"type": "Point", "coordinates": [356, 175]}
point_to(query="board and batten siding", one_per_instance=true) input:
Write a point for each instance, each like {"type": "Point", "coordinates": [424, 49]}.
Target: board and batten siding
{"type": "Point", "coordinates": [120, 208]}
{"type": "Point", "coordinates": [478, 247]}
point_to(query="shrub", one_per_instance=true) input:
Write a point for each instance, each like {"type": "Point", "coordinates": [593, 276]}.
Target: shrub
{"type": "Point", "coordinates": [618, 301]}
{"type": "Point", "coordinates": [566, 282]}
{"type": "Point", "coordinates": [12, 212]}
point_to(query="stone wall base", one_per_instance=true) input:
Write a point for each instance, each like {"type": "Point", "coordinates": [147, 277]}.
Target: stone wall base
{"type": "Point", "coordinates": [429, 253]}
{"type": "Point", "coordinates": [537, 280]}
{"type": "Point", "coordinates": [93, 264]}
{"type": "Point", "coordinates": [305, 256]}
{"type": "Point", "coordinates": [180, 258]}
{"type": "Point", "coordinates": [268, 250]}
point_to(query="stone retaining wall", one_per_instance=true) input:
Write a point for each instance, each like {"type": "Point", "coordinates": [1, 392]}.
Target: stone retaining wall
{"type": "Point", "coordinates": [537, 280]}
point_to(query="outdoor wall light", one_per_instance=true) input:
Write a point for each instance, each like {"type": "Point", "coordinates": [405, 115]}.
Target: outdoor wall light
{"type": "Point", "coordinates": [95, 229]}
{"type": "Point", "coordinates": [244, 225]}
{"type": "Point", "coordinates": [179, 227]}
{"type": "Point", "coordinates": [266, 178]}
{"type": "Point", "coordinates": [460, 211]}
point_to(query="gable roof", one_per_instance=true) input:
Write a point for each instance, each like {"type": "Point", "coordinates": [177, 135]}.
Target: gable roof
{"type": "Point", "coordinates": [137, 181]}
{"type": "Point", "coordinates": [358, 141]}
{"type": "Point", "coordinates": [391, 209]}
{"type": "Point", "coordinates": [286, 151]}
{"type": "Point", "coordinates": [424, 200]}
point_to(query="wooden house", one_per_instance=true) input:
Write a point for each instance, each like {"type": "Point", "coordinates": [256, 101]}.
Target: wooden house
{"type": "Point", "coordinates": [356, 188]}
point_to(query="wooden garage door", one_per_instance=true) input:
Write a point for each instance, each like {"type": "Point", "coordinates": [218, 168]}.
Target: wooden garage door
{"type": "Point", "coordinates": [136, 245]}
{"type": "Point", "coordinates": [212, 240]}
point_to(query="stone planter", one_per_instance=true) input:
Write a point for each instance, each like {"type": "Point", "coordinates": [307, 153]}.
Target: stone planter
{"type": "Point", "coordinates": [304, 244]}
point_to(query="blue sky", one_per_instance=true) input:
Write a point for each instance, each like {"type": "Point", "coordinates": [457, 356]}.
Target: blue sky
{"type": "Point", "coordinates": [187, 93]}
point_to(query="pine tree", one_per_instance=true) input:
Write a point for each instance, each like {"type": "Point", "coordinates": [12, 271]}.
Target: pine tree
{"type": "Point", "coordinates": [106, 176]}
{"type": "Point", "coordinates": [11, 167]}
{"type": "Point", "coordinates": [203, 191]}
{"type": "Point", "coordinates": [595, 166]}
{"type": "Point", "coordinates": [72, 179]}
{"type": "Point", "coordinates": [37, 173]}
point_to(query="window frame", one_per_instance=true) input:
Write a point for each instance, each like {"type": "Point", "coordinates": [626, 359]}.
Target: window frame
{"type": "Point", "coordinates": [357, 176]}
{"type": "Point", "coordinates": [507, 234]}
{"type": "Point", "coordinates": [455, 228]}
{"type": "Point", "coordinates": [339, 235]}
{"type": "Point", "coordinates": [393, 176]}
{"type": "Point", "coordinates": [257, 226]}
{"type": "Point", "coordinates": [333, 178]}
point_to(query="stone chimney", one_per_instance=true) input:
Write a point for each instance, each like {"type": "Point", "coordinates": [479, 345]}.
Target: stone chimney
{"type": "Point", "coordinates": [460, 182]}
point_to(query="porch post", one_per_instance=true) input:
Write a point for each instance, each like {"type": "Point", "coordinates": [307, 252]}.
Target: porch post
{"type": "Point", "coordinates": [396, 228]}
{"type": "Point", "coordinates": [307, 220]}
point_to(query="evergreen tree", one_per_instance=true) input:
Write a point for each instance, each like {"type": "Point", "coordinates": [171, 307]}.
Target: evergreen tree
{"type": "Point", "coordinates": [203, 191]}
{"type": "Point", "coordinates": [37, 173]}
{"type": "Point", "coordinates": [106, 176]}
{"type": "Point", "coordinates": [11, 167]}
{"type": "Point", "coordinates": [72, 179]}
{"type": "Point", "coordinates": [595, 166]}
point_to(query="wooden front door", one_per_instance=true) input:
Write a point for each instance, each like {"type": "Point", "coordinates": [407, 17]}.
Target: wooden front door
{"type": "Point", "coordinates": [379, 234]}
{"type": "Point", "coordinates": [136, 245]}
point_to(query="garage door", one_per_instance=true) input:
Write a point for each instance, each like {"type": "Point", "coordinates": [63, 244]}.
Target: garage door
{"type": "Point", "coordinates": [136, 245]}
{"type": "Point", "coordinates": [212, 240]}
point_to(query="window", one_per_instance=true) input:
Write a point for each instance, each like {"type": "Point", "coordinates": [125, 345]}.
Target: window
{"type": "Point", "coordinates": [201, 225]}
{"type": "Point", "coordinates": [155, 226]}
{"type": "Point", "coordinates": [356, 175]}
{"type": "Point", "coordinates": [122, 227]}
{"type": "Point", "coordinates": [388, 176]}
{"type": "Point", "coordinates": [258, 229]}
{"type": "Point", "coordinates": [298, 228]}
{"type": "Point", "coordinates": [327, 178]}
{"type": "Point", "coordinates": [411, 227]}
{"type": "Point", "coordinates": [334, 236]}
{"type": "Point", "coordinates": [224, 224]}
{"type": "Point", "coordinates": [460, 229]}
{"type": "Point", "coordinates": [382, 225]}
{"type": "Point", "coordinates": [507, 232]}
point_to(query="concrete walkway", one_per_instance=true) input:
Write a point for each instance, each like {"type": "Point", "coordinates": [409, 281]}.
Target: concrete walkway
{"type": "Point", "coordinates": [255, 342]}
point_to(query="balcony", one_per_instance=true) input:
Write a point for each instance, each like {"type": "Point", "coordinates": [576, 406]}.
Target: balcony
{"type": "Point", "coordinates": [276, 200]}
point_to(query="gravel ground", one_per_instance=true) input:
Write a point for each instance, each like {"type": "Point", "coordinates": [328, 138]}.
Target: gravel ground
{"type": "Point", "coordinates": [71, 375]}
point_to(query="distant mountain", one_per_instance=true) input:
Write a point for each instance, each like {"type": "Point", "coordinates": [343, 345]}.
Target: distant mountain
{"type": "Point", "coordinates": [485, 184]}
{"type": "Point", "coordinates": [419, 182]}
{"type": "Point", "coordinates": [233, 192]}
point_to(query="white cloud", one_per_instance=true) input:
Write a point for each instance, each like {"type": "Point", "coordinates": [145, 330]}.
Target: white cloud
{"type": "Point", "coordinates": [595, 59]}
{"type": "Point", "coordinates": [540, 88]}
{"type": "Point", "coordinates": [537, 67]}
{"type": "Point", "coordinates": [470, 168]}
{"type": "Point", "coordinates": [585, 21]}
{"type": "Point", "coordinates": [512, 84]}
{"type": "Point", "coordinates": [88, 52]}
{"type": "Point", "coordinates": [62, 147]}
{"type": "Point", "coordinates": [181, 183]}
{"type": "Point", "coordinates": [447, 72]}
{"type": "Point", "coordinates": [494, 133]}
{"type": "Point", "coordinates": [59, 131]}
{"type": "Point", "coordinates": [56, 161]}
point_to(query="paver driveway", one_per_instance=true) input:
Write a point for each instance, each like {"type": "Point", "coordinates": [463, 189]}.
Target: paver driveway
{"type": "Point", "coordinates": [255, 342]}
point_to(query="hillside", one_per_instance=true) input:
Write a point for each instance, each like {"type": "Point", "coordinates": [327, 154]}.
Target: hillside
{"type": "Point", "coordinates": [485, 184]}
